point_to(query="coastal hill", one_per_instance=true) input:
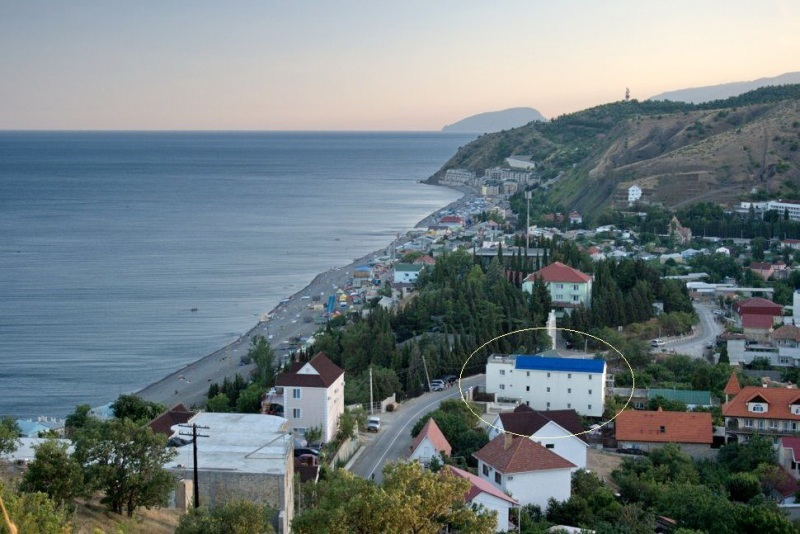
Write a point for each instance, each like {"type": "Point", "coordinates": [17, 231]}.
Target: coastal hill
{"type": "Point", "coordinates": [495, 121]}
{"type": "Point", "coordinates": [678, 153]}
{"type": "Point", "coordinates": [696, 95]}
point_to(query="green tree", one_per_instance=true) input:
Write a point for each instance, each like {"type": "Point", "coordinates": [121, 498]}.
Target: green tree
{"type": "Point", "coordinates": [743, 487]}
{"type": "Point", "coordinates": [235, 517]}
{"type": "Point", "coordinates": [313, 434]}
{"type": "Point", "coordinates": [136, 409]}
{"type": "Point", "coordinates": [263, 355]}
{"type": "Point", "coordinates": [219, 404]}
{"type": "Point", "coordinates": [9, 435]}
{"type": "Point", "coordinates": [742, 457]}
{"type": "Point", "coordinates": [249, 400]}
{"type": "Point", "coordinates": [54, 472]}
{"type": "Point", "coordinates": [126, 461]}
{"type": "Point", "coordinates": [33, 512]}
{"type": "Point", "coordinates": [78, 419]}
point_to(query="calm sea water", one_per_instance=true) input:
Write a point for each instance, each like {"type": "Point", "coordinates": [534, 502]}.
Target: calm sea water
{"type": "Point", "coordinates": [108, 240]}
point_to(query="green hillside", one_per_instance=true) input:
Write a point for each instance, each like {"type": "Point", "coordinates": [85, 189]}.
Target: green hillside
{"type": "Point", "coordinates": [677, 153]}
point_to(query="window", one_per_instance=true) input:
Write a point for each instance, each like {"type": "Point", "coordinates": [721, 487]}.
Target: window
{"type": "Point", "coordinates": [527, 388]}
{"type": "Point", "coordinates": [485, 470]}
{"type": "Point", "coordinates": [590, 377]}
{"type": "Point", "coordinates": [569, 405]}
{"type": "Point", "coordinates": [550, 446]}
{"type": "Point", "coordinates": [498, 477]}
{"type": "Point", "coordinates": [502, 372]}
{"type": "Point", "coordinates": [662, 429]}
{"type": "Point", "coordinates": [590, 407]}
{"type": "Point", "coordinates": [590, 392]}
{"type": "Point", "coordinates": [757, 408]}
{"type": "Point", "coordinates": [575, 287]}
{"type": "Point", "coordinates": [569, 390]}
{"type": "Point", "coordinates": [548, 375]}
{"type": "Point", "coordinates": [575, 298]}
{"type": "Point", "coordinates": [569, 375]}
{"type": "Point", "coordinates": [761, 424]}
{"type": "Point", "coordinates": [559, 286]}
{"type": "Point", "coordinates": [527, 373]}
{"type": "Point", "coordinates": [296, 392]}
{"type": "Point", "coordinates": [748, 423]}
{"type": "Point", "coordinates": [559, 297]}
{"type": "Point", "coordinates": [548, 390]}
{"type": "Point", "coordinates": [502, 386]}
{"type": "Point", "coordinates": [773, 424]}
{"type": "Point", "coordinates": [297, 413]}
{"type": "Point", "coordinates": [548, 405]}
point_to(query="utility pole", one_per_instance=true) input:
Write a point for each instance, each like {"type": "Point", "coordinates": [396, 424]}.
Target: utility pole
{"type": "Point", "coordinates": [371, 403]}
{"type": "Point", "coordinates": [195, 435]}
{"type": "Point", "coordinates": [427, 376]}
{"type": "Point", "coordinates": [528, 223]}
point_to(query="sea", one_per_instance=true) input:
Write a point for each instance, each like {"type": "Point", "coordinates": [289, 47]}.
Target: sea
{"type": "Point", "coordinates": [126, 255]}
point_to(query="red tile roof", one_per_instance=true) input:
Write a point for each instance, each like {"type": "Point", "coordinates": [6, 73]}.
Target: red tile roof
{"type": "Point", "coordinates": [177, 415]}
{"type": "Point", "coordinates": [793, 443]}
{"type": "Point", "coordinates": [664, 427]}
{"type": "Point", "coordinates": [479, 486]}
{"type": "Point", "coordinates": [787, 331]}
{"type": "Point", "coordinates": [528, 421]}
{"type": "Point", "coordinates": [757, 306]}
{"type": "Point", "coordinates": [434, 434]}
{"type": "Point", "coordinates": [763, 322]}
{"type": "Point", "coordinates": [779, 400]}
{"type": "Point", "coordinates": [732, 387]}
{"type": "Point", "coordinates": [513, 454]}
{"type": "Point", "coordinates": [558, 272]}
{"type": "Point", "coordinates": [318, 372]}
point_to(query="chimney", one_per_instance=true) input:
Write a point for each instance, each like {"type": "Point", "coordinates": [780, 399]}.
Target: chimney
{"type": "Point", "coordinates": [507, 437]}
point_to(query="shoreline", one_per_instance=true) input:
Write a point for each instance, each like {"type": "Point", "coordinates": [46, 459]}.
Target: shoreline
{"type": "Point", "coordinates": [189, 384]}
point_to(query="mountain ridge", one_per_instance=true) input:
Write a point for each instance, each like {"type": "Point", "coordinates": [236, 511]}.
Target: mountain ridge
{"type": "Point", "coordinates": [495, 121]}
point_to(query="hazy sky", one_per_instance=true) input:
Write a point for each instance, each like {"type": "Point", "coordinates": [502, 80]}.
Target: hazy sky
{"type": "Point", "coordinates": [368, 65]}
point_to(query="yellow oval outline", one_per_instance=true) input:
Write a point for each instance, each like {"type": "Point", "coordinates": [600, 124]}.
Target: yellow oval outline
{"type": "Point", "coordinates": [503, 431]}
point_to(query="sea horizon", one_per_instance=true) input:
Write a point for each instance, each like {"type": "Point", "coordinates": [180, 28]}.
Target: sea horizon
{"type": "Point", "coordinates": [110, 244]}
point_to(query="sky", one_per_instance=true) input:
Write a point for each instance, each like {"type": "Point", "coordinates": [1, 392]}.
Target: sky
{"type": "Point", "coordinates": [367, 65]}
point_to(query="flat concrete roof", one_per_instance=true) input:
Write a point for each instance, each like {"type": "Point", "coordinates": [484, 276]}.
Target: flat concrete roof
{"type": "Point", "coordinates": [245, 443]}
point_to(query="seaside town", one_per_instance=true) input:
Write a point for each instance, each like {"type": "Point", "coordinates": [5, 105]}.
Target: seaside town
{"type": "Point", "coordinates": [628, 378]}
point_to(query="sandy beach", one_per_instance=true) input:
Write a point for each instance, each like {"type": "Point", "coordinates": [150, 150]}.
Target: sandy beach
{"type": "Point", "coordinates": [189, 384]}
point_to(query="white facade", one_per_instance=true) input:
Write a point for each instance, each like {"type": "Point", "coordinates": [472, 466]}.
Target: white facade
{"type": "Point", "coordinates": [405, 273]}
{"type": "Point", "coordinates": [555, 438]}
{"type": "Point", "coordinates": [495, 504]}
{"type": "Point", "coordinates": [563, 387]}
{"type": "Point", "coordinates": [425, 452]}
{"type": "Point", "coordinates": [532, 487]}
{"type": "Point", "coordinates": [307, 407]}
{"type": "Point", "coordinates": [782, 207]}
{"type": "Point", "coordinates": [634, 193]}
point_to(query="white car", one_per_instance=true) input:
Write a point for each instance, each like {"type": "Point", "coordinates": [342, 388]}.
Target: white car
{"type": "Point", "coordinates": [657, 343]}
{"type": "Point", "coordinates": [437, 385]}
{"type": "Point", "coordinates": [373, 424]}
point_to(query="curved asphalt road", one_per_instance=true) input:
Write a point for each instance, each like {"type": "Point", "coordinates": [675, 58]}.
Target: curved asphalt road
{"type": "Point", "coordinates": [394, 438]}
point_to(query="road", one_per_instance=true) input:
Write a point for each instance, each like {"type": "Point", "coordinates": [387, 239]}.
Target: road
{"type": "Point", "coordinates": [706, 332]}
{"type": "Point", "coordinates": [394, 438]}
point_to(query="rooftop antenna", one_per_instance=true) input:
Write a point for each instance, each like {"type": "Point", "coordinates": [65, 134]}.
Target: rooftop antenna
{"type": "Point", "coordinates": [627, 94]}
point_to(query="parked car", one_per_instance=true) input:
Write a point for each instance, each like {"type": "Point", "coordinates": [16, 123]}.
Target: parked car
{"type": "Point", "coordinates": [450, 379]}
{"type": "Point", "coordinates": [300, 451]}
{"type": "Point", "coordinates": [373, 424]}
{"type": "Point", "coordinates": [437, 385]}
{"type": "Point", "coordinates": [657, 343]}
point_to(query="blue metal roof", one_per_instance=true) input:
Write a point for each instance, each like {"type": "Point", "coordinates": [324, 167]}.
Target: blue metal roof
{"type": "Point", "coordinates": [541, 363]}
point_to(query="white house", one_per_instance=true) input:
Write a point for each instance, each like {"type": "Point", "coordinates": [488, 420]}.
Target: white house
{"type": "Point", "coordinates": [407, 272]}
{"type": "Point", "coordinates": [546, 383]}
{"type": "Point", "coordinates": [483, 493]}
{"type": "Point", "coordinates": [521, 162]}
{"type": "Point", "coordinates": [558, 430]}
{"type": "Point", "coordinates": [525, 469]}
{"type": "Point", "coordinates": [568, 287]}
{"type": "Point", "coordinates": [313, 395]}
{"type": "Point", "coordinates": [430, 443]}
{"type": "Point", "coordinates": [634, 193]}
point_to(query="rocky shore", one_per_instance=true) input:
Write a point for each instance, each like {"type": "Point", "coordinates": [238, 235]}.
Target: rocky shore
{"type": "Point", "coordinates": [189, 384]}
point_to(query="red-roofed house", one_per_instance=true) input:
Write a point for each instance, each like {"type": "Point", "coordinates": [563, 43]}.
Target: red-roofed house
{"type": "Point", "coordinates": [177, 415]}
{"type": "Point", "coordinates": [757, 327]}
{"type": "Point", "coordinates": [762, 269]}
{"type": "Point", "coordinates": [789, 454]}
{"type": "Point", "coordinates": [483, 493]}
{"type": "Point", "coordinates": [525, 469]}
{"type": "Point", "coordinates": [648, 430]}
{"type": "Point", "coordinates": [773, 411]}
{"type": "Point", "coordinates": [558, 430]}
{"type": "Point", "coordinates": [732, 388]}
{"type": "Point", "coordinates": [313, 395]}
{"type": "Point", "coordinates": [430, 443]}
{"type": "Point", "coordinates": [757, 306]}
{"type": "Point", "coordinates": [568, 287]}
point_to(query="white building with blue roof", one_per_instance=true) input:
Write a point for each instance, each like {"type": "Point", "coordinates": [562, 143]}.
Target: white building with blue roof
{"type": "Point", "coordinates": [549, 383]}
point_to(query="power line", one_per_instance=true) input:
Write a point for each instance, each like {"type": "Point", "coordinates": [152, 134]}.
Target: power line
{"type": "Point", "coordinates": [195, 435]}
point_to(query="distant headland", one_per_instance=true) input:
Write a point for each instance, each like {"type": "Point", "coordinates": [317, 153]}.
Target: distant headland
{"type": "Point", "coordinates": [495, 121]}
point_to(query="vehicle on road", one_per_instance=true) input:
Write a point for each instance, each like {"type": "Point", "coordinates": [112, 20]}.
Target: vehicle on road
{"type": "Point", "coordinates": [373, 424]}
{"type": "Point", "coordinates": [437, 385]}
{"type": "Point", "coordinates": [450, 379]}
{"type": "Point", "coordinates": [657, 343]}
